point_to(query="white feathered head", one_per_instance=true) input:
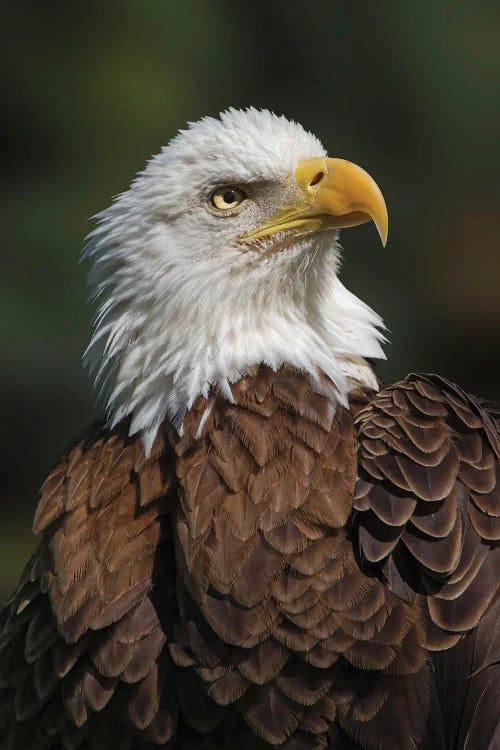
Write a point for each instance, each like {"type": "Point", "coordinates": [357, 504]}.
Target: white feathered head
{"type": "Point", "coordinates": [224, 255]}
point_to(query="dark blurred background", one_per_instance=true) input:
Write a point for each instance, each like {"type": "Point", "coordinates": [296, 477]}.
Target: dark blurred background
{"type": "Point", "coordinates": [90, 90]}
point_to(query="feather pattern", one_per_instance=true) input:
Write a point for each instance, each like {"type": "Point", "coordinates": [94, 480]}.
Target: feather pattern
{"type": "Point", "coordinates": [443, 540]}
{"type": "Point", "coordinates": [211, 593]}
{"type": "Point", "coordinates": [448, 519]}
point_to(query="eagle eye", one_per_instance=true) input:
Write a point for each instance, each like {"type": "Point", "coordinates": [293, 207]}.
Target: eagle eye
{"type": "Point", "coordinates": [224, 198]}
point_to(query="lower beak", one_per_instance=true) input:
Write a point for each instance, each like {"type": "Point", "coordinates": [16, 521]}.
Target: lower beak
{"type": "Point", "coordinates": [335, 193]}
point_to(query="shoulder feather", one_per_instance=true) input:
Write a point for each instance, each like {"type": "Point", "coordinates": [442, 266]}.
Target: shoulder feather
{"type": "Point", "coordinates": [87, 626]}
{"type": "Point", "coordinates": [428, 499]}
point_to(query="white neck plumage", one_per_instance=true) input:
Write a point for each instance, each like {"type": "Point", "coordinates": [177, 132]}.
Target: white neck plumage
{"type": "Point", "coordinates": [163, 338]}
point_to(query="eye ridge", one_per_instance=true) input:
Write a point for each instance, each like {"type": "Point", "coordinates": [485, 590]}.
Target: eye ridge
{"type": "Point", "coordinates": [227, 197]}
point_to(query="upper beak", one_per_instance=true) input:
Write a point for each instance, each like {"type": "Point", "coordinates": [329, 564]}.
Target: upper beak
{"type": "Point", "coordinates": [334, 193]}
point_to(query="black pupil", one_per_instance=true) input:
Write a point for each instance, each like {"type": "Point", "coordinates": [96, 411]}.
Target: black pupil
{"type": "Point", "coordinates": [229, 197]}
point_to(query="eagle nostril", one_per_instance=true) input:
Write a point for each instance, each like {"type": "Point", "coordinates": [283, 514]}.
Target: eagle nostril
{"type": "Point", "coordinates": [317, 178]}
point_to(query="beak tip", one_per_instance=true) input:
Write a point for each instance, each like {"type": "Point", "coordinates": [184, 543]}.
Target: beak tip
{"type": "Point", "coordinates": [383, 232]}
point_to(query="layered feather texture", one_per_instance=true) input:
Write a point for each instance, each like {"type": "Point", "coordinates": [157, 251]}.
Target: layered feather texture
{"type": "Point", "coordinates": [82, 638]}
{"type": "Point", "coordinates": [429, 496]}
{"type": "Point", "coordinates": [212, 595]}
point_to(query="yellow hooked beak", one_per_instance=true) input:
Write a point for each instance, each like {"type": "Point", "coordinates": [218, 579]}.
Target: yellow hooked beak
{"type": "Point", "coordinates": [336, 193]}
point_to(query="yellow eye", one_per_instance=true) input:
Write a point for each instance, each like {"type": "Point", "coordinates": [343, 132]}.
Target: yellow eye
{"type": "Point", "coordinates": [227, 197]}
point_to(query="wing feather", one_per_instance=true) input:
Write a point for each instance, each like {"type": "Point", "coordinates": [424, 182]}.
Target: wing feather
{"type": "Point", "coordinates": [86, 628]}
{"type": "Point", "coordinates": [431, 486]}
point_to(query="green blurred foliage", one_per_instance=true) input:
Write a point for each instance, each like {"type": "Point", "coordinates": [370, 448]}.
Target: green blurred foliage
{"type": "Point", "coordinates": [90, 90]}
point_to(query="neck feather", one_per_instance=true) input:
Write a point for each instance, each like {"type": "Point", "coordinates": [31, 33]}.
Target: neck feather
{"type": "Point", "coordinates": [157, 346]}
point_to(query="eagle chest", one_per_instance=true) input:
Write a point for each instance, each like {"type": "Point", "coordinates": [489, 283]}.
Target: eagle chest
{"type": "Point", "coordinates": [276, 618]}
{"type": "Point", "coordinates": [265, 492]}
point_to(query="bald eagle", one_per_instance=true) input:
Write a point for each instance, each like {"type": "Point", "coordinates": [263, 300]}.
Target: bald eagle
{"type": "Point", "coordinates": [260, 546]}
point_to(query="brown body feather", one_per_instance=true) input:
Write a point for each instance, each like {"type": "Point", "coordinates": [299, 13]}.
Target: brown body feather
{"type": "Point", "coordinates": [225, 591]}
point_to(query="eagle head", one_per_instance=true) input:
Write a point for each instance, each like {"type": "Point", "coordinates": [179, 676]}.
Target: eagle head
{"type": "Point", "coordinates": [224, 255]}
